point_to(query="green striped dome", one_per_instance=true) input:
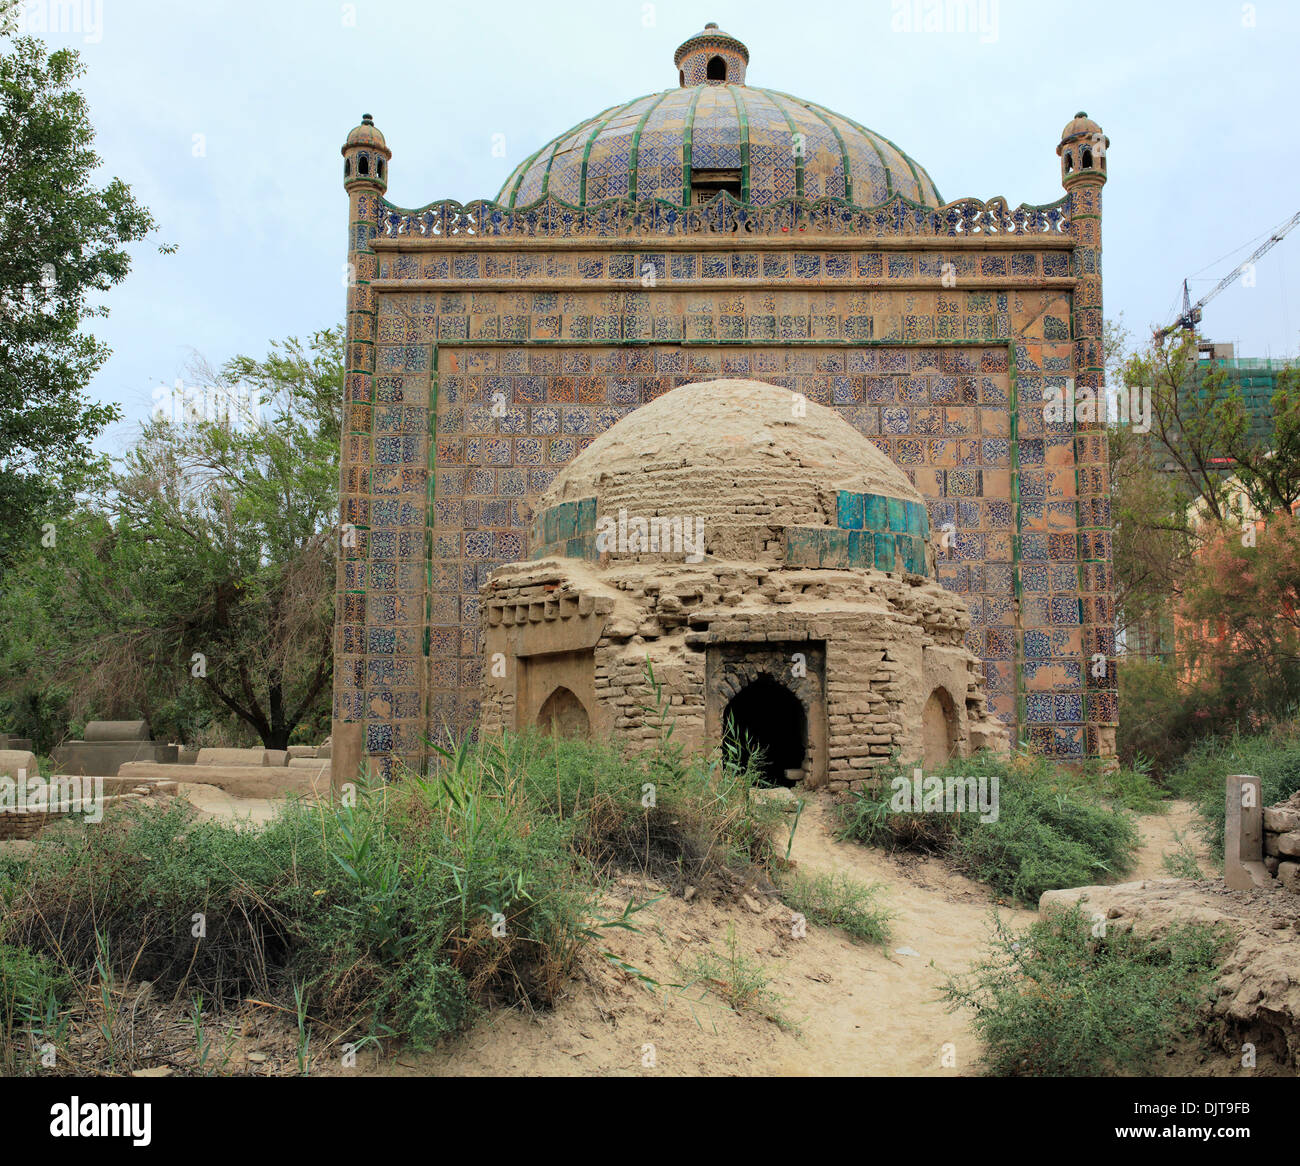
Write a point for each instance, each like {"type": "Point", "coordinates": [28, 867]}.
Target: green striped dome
{"type": "Point", "coordinates": [650, 147]}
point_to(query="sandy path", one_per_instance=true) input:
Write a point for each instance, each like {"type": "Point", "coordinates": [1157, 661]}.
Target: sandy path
{"type": "Point", "coordinates": [851, 1009]}
{"type": "Point", "coordinates": [1158, 839]}
{"type": "Point", "coordinates": [858, 1010]}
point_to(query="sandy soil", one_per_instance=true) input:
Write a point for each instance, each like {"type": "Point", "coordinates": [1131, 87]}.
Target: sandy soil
{"type": "Point", "coordinates": [1161, 835]}
{"type": "Point", "coordinates": [837, 1007]}
{"type": "Point", "coordinates": [848, 1008]}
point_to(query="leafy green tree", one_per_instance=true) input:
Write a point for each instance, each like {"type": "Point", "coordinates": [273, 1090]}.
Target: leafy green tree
{"type": "Point", "coordinates": [1268, 467]}
{"type": "Point", "coordinates": [1193, 422]}
{"type": "Point", "coordinates": [1152, 539]}
{"type": "Point", "coordinates": [200, 581]}
{"type": "Point", "coordinates": [62, 243]}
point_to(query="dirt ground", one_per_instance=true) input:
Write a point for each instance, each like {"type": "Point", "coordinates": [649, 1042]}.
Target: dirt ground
{"type": "Point", "coordinates": [638, 1006]}
{"type": "Point", "coordinates": [845, 1008]}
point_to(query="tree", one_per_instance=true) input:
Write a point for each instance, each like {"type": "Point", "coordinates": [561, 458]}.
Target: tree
{"type": "Point", "coordinates": [62, 241]}
{"type": "Point", "coordinates": [1193, 424]}
{"type": "Point", "coordinates": [201, 581]}
{"type": "Point", "coordinates": [1242, 601]}
{"type": "Point", "coordinates": [1268, 468]}
{"type": "Point", "coordinates": [1152, 539]}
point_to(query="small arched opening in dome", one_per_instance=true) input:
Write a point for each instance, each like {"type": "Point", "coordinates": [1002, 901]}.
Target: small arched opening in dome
{"type": "Point", "coordinates": [1069, 163]}
{"type": "Point", "coordinates": [716, 70]}
{"type": "Point", "coordinates": [347, 167]}
{"type": "Point", "coordinates": [1087, 159]}
{"type": "Point", "coordinates": [766, 723]}
{"type": "Point", "coordinates": [939, 734]}
{"type": "Point", "coordinates": [681, 78]}
{"type": "Point", "coordinates": [379, 168]}
{"type": "Point", "coordinates": [563, 715]}
{"type": "Point", "coordinates": [363, 165]}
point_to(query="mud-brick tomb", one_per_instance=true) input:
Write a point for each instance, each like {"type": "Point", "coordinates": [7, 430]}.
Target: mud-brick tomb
{"type": "Point", "coordinates": [772, 566]}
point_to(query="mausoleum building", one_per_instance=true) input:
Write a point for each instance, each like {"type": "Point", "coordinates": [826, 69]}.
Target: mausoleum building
{"type": "Point", "coordinates": [668, 249]}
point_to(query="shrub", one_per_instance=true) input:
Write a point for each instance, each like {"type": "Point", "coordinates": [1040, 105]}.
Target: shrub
{"type": "Point", "coordinates": [740, 981]}
{"type": "Point", "coordinates": [836, 900]}
{"type": "Point", "coordinates": [32, 989]}
{"type": "Point", "coordinates": [1057, 1001]}
{"type": "Point", "coordinates": [372, 912]}
{"type": "Point", "coordinates": [1158, 714]}
{"type": "Point", "coordinates": [1053, 829]}
{"type": "Point", "coordinates": [1273, 757]}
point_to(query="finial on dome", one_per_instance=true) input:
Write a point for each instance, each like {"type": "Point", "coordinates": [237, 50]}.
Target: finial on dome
{"type": "Point", "coordinates": [711, 57]}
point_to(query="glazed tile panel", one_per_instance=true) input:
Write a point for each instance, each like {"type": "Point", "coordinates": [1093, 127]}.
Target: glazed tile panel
{"type": "Point", "coordinates": [941, 414]}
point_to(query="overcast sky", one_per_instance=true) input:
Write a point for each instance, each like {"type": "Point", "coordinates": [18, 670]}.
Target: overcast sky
{"type": "Point", "coordinates": [226, 117]}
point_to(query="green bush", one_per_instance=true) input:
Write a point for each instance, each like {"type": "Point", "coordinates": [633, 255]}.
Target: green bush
{"type": "Point", "coordinates": [32, 990]}
{"type": "Point", "coordinates": [1158, 715]}
{"type": "Point", "coordinates": [28, 983]}
{"type": "Point", "coordinates": [836, 900]}
{"type": "Point", "coordinates": [1273, 757]}
{"type": "Point", "coordinates": [1055, 1000]}
{"type": "Point", "coordinates": [1053, 830]}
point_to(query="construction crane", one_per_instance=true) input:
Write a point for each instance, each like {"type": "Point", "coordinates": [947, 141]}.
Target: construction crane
{"type": "Point", "coordinates": [1191, 313]}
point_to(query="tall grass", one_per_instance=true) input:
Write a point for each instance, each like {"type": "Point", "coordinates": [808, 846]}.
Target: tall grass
{"type": "Point", "coordinates": [396, 916]}
{"type": "Point", "coordinates": [1273, 757]}
{"type": "Point", "coordinates": [1063, 998]}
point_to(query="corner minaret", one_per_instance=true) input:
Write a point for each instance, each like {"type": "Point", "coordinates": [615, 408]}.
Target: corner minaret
{"type": "Point", "coordinates": [365, 158]}
{"type": "Point", "coordinates": [365, 178]}
{"type": "Point", "coordinates": [1082, 151]}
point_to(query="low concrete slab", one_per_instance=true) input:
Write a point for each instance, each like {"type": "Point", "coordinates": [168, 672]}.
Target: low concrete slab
{"type": "Point", "coordinates": [242, 781]}
{"type": "Point", "coordinates": [107, 745]}
{"type": "Point", "coordinates": [257, 756]}
{"type": "Point", "coordinates": [12, 760]}
{"type": "Point", "coordinates": [308, 763]}
{"type": "Point", "coordinates": [116, 731]}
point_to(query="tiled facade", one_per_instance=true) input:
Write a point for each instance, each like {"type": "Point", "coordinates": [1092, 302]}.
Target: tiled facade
{"type": "Point", "coordinates": [488, 344]}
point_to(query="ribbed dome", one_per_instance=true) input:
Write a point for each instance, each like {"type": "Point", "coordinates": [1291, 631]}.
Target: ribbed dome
{"type": "Point", "coordinates": [366, 135]}
{"type": "Point", "coordinates": [730, 451]}
{"type": "Point", "coordinates": [648, 148]}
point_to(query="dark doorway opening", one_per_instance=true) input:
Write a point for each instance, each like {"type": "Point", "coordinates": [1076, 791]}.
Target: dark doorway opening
{"type": "Point", "coordinates": [766, 717]}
